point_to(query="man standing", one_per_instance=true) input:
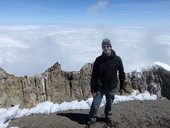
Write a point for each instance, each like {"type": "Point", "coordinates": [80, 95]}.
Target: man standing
{"type": "Point", "coordinates": [104, 81]}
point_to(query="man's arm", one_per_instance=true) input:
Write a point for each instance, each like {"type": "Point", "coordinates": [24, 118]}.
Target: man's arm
{"type": "Point", "coordinates": [94, 76]}
{"type": "Point", "coordinates": [121, 76]}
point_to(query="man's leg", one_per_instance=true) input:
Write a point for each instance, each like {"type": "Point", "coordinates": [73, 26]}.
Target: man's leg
{"type": "Point", "coordinates": [108, 108]}
{"type": "Point", "coordinates": [94, 107]}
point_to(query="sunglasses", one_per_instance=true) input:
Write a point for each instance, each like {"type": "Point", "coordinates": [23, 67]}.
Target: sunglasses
{"type": "Point", "coordinates": [106, 46]}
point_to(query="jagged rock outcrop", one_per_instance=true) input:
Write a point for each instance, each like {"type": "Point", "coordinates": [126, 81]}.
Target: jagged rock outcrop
{"type": "Point", "coordinates": [155, 79]}
{"type": "Point", "coordinates": [54, 85]}
{"type": "Point", "coordinates": [57, 85]}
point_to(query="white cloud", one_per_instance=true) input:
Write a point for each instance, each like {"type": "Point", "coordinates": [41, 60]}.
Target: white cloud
{"type": "Point", "coordinates": [33, 49]}
{"type": "Point", "coordinates": [100, 5]}
{"type": "Point", "coordinates": [164, 39]}
{"type": "Point", "coordinates": [7, 42]}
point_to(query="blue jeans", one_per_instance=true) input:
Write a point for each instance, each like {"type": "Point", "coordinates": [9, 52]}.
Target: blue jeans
{"type": "Point", "coordinates": [96, 104]}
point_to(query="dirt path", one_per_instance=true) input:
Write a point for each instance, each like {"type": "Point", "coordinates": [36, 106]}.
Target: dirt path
{"type": "Point", "coordinates": [131, 114]}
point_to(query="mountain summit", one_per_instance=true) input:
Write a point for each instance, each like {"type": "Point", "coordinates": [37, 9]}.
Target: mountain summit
{"type": "Point", "coordinates": [163, 65]}
{"type": "Point", "coordinates": [58, 86]}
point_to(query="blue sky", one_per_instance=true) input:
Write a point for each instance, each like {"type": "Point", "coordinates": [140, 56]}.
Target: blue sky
{"type": "Point", "coordinates": [85, 12]}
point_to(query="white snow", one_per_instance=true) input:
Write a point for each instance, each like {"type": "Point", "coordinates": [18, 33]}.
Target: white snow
{"type": "Point", "coordinates": [7, 114]}
{"type": "Point", "coordinates": [163, 65]}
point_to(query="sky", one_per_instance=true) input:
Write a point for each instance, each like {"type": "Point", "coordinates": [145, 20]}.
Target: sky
{"type": "Point", "coordinates": [85, 12]}
{"type": "Point", "coordinates": [35, 34]}
{"type": "Point", "coordinates": [47, 107]}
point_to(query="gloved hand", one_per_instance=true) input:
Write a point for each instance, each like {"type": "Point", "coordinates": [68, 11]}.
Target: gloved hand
{"type": "Point", "coordinates": [121, 91]}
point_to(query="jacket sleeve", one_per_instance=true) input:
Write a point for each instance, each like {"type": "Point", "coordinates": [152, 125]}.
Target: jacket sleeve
{"type": "Point", "coordinates": [94, 77]}
{"type": "Point", "coordinates": [121, 74]}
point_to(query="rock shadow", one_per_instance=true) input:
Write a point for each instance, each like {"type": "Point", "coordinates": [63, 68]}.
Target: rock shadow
{"type": "Point", "coordinates": [80, 118]}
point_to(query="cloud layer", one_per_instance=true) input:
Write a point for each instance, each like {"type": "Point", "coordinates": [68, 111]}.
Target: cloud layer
{"type": "Point", "coordinates": [31, 49]}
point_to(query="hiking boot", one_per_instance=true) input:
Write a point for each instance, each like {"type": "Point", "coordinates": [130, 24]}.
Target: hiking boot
{"type": "Point", "coordinates": [110, 123]}
{"type": "Point", "coordinates": [89, 123]}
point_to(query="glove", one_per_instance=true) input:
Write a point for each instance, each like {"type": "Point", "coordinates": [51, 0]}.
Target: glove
{"type": "Point", "coordinates": [121, 91]}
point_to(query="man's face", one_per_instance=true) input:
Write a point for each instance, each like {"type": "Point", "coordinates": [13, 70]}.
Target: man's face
{"type": "Point", "coordinates": [107, 49]}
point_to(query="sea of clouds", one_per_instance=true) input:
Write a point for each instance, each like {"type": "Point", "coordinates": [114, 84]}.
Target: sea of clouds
{"type": "Point", "coordinates": [31, 49]}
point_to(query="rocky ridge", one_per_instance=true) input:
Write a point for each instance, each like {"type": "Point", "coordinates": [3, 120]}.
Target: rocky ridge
{"type": "Point", "coordinates": [57, 85]}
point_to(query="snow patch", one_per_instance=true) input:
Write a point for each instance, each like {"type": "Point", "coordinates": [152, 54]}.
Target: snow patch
{"type": "Point", "coordinates": [6, 115]}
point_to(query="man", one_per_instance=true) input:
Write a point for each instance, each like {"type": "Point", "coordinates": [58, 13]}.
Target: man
{"type": "Point", "coordinates": [104, 81]}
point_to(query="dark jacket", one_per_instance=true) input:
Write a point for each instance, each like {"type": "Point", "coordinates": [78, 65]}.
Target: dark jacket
{"type": "Point", "coordinates": [104, 73]}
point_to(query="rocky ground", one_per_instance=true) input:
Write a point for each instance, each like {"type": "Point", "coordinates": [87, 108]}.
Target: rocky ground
{"type": "Point", "coordinates": [131, 114]}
